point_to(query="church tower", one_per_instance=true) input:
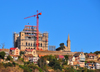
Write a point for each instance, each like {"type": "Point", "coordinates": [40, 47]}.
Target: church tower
{"type": "Point", "coordinates": [68, 43]}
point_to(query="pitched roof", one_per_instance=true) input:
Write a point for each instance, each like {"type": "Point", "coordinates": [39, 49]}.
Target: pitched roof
{"type": "Point", "coordinates": [91, 54]}
{"type": "Point", "coordinates": [12, 48]}
{"type": "Point", "coordinates": [28, 55]}
{"type": "Point", "coordinates": [77, 54]}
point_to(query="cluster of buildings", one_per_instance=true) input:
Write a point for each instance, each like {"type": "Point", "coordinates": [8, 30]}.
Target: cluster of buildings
{"type": "Point", "coordinates": [25, 42]}
{"type": "Point", "coordinates": [91, 61]}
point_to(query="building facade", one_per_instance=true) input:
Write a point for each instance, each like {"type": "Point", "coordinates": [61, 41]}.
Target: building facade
{"type": "Point", "coordinates": [26, 39]}
{"type": "Point", "coordinates": [65, 48]}
{"type": "Point", "coordinates": [14, 51]}
{"type": "Point", "coordinates": [78, 59]}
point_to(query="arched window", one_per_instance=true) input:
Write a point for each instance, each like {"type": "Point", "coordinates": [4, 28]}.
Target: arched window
{"type": "Point", "coordinates": [26, 43]}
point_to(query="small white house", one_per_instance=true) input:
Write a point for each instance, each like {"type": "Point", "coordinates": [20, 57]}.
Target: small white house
{"type": "Point", "coordinates": [97, 65]}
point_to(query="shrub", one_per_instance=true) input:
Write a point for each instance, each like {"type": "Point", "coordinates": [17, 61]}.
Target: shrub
{"type": "Point", "coordinates": [21, 59]}
{"type": "Point", "coordinates": [14, 64]}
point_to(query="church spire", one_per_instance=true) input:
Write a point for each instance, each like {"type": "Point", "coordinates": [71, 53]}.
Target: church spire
{"type": "Point", "coordinates": [68, 37]}
{"type": "Point", "coordinates": [68, 43]}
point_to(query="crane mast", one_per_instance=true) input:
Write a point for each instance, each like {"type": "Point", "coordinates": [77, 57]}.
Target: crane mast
{"type": "Point", "coordinates": [37, 28]}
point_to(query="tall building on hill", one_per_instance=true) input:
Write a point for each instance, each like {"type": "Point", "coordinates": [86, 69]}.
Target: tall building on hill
{"type": "Point", "coordinates": [65, 48]}
{"type": "Point", "coordinates": [26, 39]}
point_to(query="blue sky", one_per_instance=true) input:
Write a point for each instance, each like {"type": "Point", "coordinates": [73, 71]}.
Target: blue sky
{"type": "Point", "coordinates": [78, 18]}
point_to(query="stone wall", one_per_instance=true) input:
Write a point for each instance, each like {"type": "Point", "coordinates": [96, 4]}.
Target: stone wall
{"type": "Point", "coordinates": [54, 53]}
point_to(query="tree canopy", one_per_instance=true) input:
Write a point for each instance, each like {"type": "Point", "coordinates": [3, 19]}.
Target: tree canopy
{"type": "Point", "coordinates": [61, 44]}
{"type": "Point", "coordinates": [9, 58]}
{"type": "Point", "coordinates": [2, 54]}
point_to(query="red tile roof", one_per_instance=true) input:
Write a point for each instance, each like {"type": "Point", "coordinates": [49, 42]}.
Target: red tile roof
{"type": "Point", "coordinates": [91, 54]}
{"type": "Point", "coordinates": [12, 48]}
{"type": "Point", "coordinates": [61, 56]}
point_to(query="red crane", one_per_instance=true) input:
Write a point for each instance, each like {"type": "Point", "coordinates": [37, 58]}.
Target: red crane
{"type": "Point", "coordinates": [37, 43]}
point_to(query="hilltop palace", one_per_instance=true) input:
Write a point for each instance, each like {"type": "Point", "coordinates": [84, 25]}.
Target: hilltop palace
{"type": "Point", "coordinates": [26, 39]}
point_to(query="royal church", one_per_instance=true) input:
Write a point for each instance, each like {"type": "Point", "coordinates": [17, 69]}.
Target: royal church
{"type": "Point", "coordinates": [65, 48]}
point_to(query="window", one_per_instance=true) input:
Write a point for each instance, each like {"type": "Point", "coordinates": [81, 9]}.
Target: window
{"type": "Point", "coordinates": [41, 44]}
{"type": "Point", "coordinates": [31, 44]}
{"type": "Point", "coordinates": [34, 44]}
{"type": "Point", "coordinates": [26, 43]}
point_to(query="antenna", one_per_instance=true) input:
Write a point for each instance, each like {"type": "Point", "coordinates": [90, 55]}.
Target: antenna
{"type": "Point", "coordinates": [81, 50]}
{"type": "Point", "coordinates": [3, 44]}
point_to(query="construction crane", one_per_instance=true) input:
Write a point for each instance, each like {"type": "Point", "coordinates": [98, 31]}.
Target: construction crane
{"type": "Point", "coordinates": [37, 28]}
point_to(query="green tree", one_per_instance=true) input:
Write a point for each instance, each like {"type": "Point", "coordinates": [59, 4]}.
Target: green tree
{"type": "Point", "coordinates": [55, 64]}
{"type": "Point", "coordinates": [66, 57]}
{"type": "Point", "coordinates": [66, 60]}
{"type": "Point", "coordinates": [42, 62]}
{"type": "Point", "coordinates": [61, 44]}
{"type": "Point", "coordinates": [2, 54]}
{"type": "Point", "coordinates": [9, 58]}
{"type": "Point", "coordinates": [85, 53]}
{"type": "Point", "coordinates": [21, 52]}
{"type": "Point", "coordinates": [97, 52]}
{"type": "Point", "coordinates": [14, 64]}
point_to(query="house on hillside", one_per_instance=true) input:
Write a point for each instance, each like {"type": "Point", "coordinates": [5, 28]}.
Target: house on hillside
{"type": "Point", "coordinates": [70, 62]}
{"type": "Point", "coordinates": [97, 65]}
{"type": "Point", "coordinates": [91, 56]}
{"type": "Point", "coordinates": [98, 57]}
{"type": "Point", "coordinates": [28, 57]}
{"type": "Point", "coordinates": [78, 59]}
{"type": "Point", "coordinates": [90, 65]}
{"type": "Point", "coordinates": [31, 55]}
{"type": "Point", "coordinates": [31, 51]}
{"type": "Point", "coordinates": [15, 51]}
